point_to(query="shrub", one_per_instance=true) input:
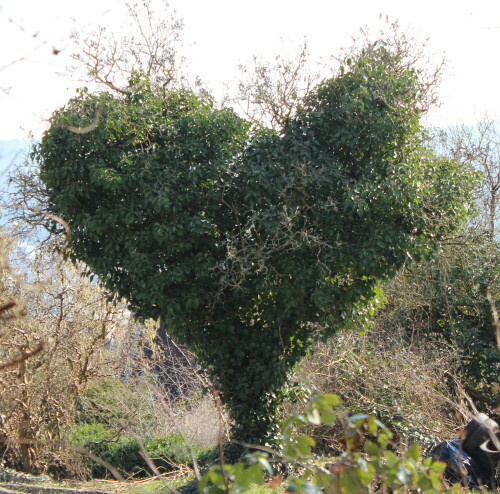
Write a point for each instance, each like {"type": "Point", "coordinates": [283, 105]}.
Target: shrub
{"type": "Point", "coordinates": [123, 452]}
{"type": "Point", "coordinates": [120, 404]}
{"type": "Point", "coordinates": [406, 383]}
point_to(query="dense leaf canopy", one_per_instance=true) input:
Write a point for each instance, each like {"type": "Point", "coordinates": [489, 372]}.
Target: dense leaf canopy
{"type": "Point", "coordinates": [246, 241]}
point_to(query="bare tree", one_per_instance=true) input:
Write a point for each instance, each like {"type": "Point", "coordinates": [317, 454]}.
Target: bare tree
{"type": "Point", "coordinates": [72, 334]}
{"type": "Point", "coordinates": [26, 199]}
{"type": "Point", "coordinates": [479, 146]}
{"type": "Point", "coordinates": [270, 90]}
{"type": "Point", "coordinates": [150, 49]}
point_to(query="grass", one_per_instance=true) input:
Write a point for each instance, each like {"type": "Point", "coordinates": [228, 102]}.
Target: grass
{"type": "Point", "coordinates": [157, 486]}
{"type": "Point", "coordinates": [154, 486]}
{"type": "Point", "coordinates": [146, 486]}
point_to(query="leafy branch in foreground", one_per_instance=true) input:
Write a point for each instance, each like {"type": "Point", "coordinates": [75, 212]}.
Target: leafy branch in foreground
{"type": "Point", "coordinates": [367, 461]}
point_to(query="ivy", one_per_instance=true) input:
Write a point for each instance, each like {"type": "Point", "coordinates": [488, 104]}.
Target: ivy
{"type": "Point", "coordinates": [250, 243]}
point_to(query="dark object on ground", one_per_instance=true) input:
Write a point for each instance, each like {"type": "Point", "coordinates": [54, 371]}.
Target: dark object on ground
{"type": "Point", "coordinates": [479, 442]}
{"type": "Point", "coordinates": [460, 467]}
{"type": "Point", "coordinates": [474, 460]}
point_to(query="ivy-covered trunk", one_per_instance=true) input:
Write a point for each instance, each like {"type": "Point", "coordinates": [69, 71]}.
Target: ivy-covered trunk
{"type": "Point", "coordinates": [249, 366]}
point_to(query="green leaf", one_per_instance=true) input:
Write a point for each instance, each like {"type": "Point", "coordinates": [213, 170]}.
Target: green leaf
{"type": "Point", "coordinates": [300, 447]}
{"type": "Point", "coordinates": [414, 452]}
{"type": "Point", "coordinates": [372, 449]}
{"type": "Point", "coordinates": [438, 466]}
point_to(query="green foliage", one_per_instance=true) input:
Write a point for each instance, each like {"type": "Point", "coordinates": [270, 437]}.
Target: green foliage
{"type": "Point", "coordinates": [446, 296]}
{"type": "Point", "coordinates": [118, 405]}
{"type": "Point", "coordinates": [124, 452]}
{"type": "Point", "coordinates": [245, 242]}
{"type": "Point", "coordinates": [366, 462]}
{"type": "Point", "coordinates": [461, 312]}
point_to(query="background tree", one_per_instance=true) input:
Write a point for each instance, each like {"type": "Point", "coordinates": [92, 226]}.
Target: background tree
{"type": "Point", "coordinates": [82, 336]}
{"type": "Point", "coordinates": [271, 91]}
{"type": "Point", "coordinates": [478, 146]}
{"type": "Point", "coordinates": [447, 295]}
{"type": "Point", "coordinates": [150, 47]}
{"type": "Point", "coordinates": [247, 245]}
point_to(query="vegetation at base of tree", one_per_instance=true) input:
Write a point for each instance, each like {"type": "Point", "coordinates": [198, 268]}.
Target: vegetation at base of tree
{"type": "Point", "coordinates": [251, 244]}
{"type": "Point", "coordinates": [446, 297]}
{"type": "Point", "coordinates": [367, 463]}
{"type": "Point", "coordinates": [411, 385]}
{"type": "Point", "coordinates": [124, 453]}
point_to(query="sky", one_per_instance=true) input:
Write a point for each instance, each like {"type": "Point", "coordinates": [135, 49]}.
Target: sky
{"type": "Point", "coordinates": [220, 34]}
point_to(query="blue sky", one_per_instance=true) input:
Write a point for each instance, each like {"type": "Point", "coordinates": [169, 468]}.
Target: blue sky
{"type": "Point", "coordinates": [12, 153]}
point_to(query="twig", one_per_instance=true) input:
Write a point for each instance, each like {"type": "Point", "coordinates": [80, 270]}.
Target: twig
{"type": "Point", "coordinates": [23, 357]}
{"type": "Point", "coordinates": [83, 451]}
{"type": "Point", "coordinates": [7, 306]}
{"type": "Point", "coordinates": [186, 442]}
{"type": "Point", "coordinates": [218, 404]}
{"type": "Point", "coordinates": [91, 126]}
{"type": "Point", "coordinates": [126, 90]}
{"type": "Point", "coordinates": [183, 470]}
{"type": "Point", "coordinates": [98, 459]}
{"type": "Point", "coordinates": [52, 216]}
